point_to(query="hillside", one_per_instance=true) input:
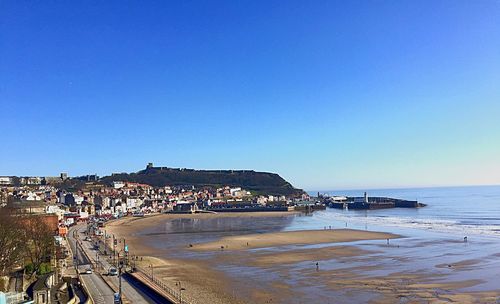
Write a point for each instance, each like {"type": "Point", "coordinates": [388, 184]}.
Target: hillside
{"type": "Point", "coordinates": [257, 182]}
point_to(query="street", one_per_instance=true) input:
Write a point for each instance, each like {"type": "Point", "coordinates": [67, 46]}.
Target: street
{"type": "Point", "coordinates": [99, 289]}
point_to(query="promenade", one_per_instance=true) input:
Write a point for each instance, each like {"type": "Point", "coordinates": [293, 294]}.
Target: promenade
{"type": "Point", "coordinates": [101, 286]}
{"type": "Point", "coordinates": [142, 279]}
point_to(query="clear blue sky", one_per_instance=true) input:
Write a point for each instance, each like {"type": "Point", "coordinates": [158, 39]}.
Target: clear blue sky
{"type": "Point", "coordinates": [329, 94]}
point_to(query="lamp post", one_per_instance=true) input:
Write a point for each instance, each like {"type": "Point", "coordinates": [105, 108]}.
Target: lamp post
{"type": "Point", "coordinates": [105, 242]}
{"type": "Point", "coordinates": [125, 252]}
{"type": "Point", "coordinates": [152, 274]}
{"type": "Point", "coordinates": [76, 252]}
{"type": "Point", "coordinates": [114, 250]}
{"type": "Point", "coordinates": [120, 268]}
{"type": "Point", "coordinates": [180, 291]}
{"type": "Point", "coordinates": [120, 282]}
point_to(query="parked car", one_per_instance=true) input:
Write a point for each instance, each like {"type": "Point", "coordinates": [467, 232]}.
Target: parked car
{"type": "Point", "coordinates": [88, 271]}
{"type": "Point", "coordinates": [112, 271]}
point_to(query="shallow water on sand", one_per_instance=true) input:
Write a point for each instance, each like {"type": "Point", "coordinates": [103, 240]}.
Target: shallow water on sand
{"type": "Point", "coordinates": [413, 267]}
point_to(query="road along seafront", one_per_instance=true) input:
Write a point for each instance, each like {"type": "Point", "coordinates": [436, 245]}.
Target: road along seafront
{"type": "Point", "coordinates": [101, 285]}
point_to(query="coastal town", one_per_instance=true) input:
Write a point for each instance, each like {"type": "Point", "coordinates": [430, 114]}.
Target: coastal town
{"type": "Point", "coordinates": [57, 226]}
{"type": "Point", "coordinates": [60, 206]}
{"type": "Point", "coordinates": [43, 195]}
{"type": "Point", "coordinates": [250, 152]}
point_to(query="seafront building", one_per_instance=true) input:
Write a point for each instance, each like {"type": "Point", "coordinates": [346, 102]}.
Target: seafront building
{"type": "Point", "coordinates": [52, 195]}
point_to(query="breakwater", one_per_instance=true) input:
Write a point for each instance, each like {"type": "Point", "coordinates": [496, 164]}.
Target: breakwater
{"type": "Point", "coordinates": [374, 203]}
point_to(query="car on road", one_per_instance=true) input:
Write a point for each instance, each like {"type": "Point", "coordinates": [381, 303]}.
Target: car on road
{"type": "Point", "coordinates": [116, 298]}
{"type": "Point", "coordinates": [88, 239]}
{"type": "Point", "coordinates": [88, 271]}
{"type": "Point", "coordinates": [112, 271]}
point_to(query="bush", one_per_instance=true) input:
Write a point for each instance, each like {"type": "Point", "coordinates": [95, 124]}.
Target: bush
{"type": "Point", "coordinates": [44, 269]}
{"type": "Point", "coordinates": [29, 268]}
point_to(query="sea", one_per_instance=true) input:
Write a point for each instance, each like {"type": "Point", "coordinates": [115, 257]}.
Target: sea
{"type": "Point", "coordinates": [431, 247]}
{"type": "Point", "coordinates": [464, 211]}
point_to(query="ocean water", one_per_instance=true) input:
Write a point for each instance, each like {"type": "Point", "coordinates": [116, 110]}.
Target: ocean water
{"type": "Point", "coordinates": [463, 211]}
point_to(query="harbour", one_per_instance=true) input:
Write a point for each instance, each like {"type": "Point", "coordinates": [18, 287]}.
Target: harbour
{"type": "Point", "coordinates": [365, 202]}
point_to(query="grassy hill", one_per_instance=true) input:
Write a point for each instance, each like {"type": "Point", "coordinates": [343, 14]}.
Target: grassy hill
{"type": "Point", "coordinates": [257, 182]}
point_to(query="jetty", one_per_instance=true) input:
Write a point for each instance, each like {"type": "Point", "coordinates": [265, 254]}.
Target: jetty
{"type": "Point", "coordinates": [365, 202]}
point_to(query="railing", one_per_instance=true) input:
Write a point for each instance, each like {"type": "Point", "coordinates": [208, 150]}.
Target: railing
{"type": "Point", "coordinates": [175, 294]}
{"type": "Point", "coordinates": [111, 249]}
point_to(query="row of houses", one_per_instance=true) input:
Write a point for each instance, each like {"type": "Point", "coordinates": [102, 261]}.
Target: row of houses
{"type": "Point", "coordinates": [32, 180]}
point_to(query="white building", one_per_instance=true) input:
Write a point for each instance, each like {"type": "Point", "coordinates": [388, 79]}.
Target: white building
{"type": "Point", "coordinates": [167, 190]}
{"type": "Point", "coordinates": [118, 185]}
{"type": "Point", "coordinates": [106, 202]}
{"type": "Point", "coordinates": [30, 180]}
{"type": "Point", "coordinates": [133, 202]}
{"type": "Point", "coordinates": [54, 209]}
{"type": "Point", "coordinates": [78, 199]}
{"type": "Point", "coordinates": [31, 196]}
{"type": "Point", "coordinates": [235, 191]}
{"type": "Point", "coordinates": [5, 180]}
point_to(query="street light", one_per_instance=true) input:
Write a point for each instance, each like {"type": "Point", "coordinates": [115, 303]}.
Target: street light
{"type": "Point", "coordinates": [114, 250]}
{"type": "Point", "coordinates": [125, 248]}
{"type": "Point", "coordinates": [180, 291]}
{"type": "Point", "coordinates": [121, 264]}
{"type": "Point", "coordinates": [120, 278]}
{"type": "Point", "coordinates": [76, 251]}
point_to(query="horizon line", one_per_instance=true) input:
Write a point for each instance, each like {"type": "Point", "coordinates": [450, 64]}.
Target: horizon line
{"type": "Point", "coordinates": [406, 187]}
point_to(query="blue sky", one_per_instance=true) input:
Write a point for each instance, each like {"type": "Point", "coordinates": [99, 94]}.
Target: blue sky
{"type": "Point", "coordinates": [329, 94]}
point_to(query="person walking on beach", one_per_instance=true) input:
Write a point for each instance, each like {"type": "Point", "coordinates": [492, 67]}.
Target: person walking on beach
{"type": "Point", "coordinates": [317, 266]}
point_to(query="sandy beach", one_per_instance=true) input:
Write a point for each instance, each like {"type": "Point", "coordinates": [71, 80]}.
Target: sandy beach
{"type": "Point", "coordinates": [304, 237]}
{"type": "Point", "coordinates": [128, 227]}
{"type": "Point", "coordinates": [264, 264]}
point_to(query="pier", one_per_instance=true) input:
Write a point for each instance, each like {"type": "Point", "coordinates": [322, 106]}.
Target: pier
{"type": "Point", "coordinates": [365, 202]}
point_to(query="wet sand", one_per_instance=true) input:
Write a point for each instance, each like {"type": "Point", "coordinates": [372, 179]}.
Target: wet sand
{"type": "Point", "coordinates": [280, 267]}
{"type": "Point", "coordinates": [128, 227]}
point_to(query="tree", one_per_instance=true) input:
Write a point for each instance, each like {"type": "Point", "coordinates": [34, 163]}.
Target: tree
{"type": "Point", "coordinates": [39, 241]}
{"type": "Point", "coordinates": [12, 245]}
